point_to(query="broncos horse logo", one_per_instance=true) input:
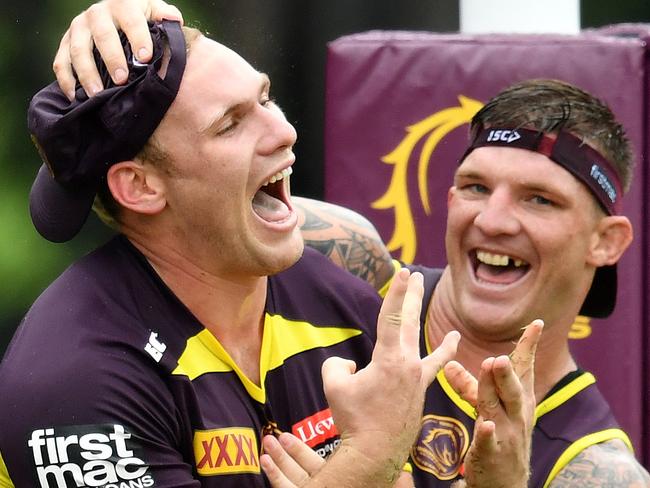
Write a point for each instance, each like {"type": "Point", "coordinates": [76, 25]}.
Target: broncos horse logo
{"type": "Point", "coordinates": [441, 446]}
{"type": "Point", "coordinates": [436, 127]}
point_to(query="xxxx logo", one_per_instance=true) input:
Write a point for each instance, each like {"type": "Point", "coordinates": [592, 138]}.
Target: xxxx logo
{"type": "Point", "coordinates": [432, 130]}
{"type": "Point", "coordinates": [226, 451]}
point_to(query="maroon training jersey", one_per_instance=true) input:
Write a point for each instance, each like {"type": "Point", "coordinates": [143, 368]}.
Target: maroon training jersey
{"type": "Point", "coordinates": [111, 382]}
{"type": "Point", "coordinates": [573, 416]}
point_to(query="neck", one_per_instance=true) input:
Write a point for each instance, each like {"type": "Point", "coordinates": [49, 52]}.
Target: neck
{"type": "Point", "coordinates": [553, 359]}
{"type": "Point", "coordinates": [230, 307]}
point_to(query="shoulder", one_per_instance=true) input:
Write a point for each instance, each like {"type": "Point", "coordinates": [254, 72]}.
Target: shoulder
{"type": "Point", "coordinates": [609, 463]}
{"type": "Point", "coordinates": [316, 291]}
{"type": "Point", "coordinates": [345, 237]}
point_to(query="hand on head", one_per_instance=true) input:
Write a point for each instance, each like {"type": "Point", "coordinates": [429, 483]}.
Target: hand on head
{"type": "Point", "coordinates": [98, 25]}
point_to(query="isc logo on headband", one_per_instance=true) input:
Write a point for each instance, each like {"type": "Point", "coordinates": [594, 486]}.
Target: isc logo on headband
{"type": "Point", "coordinates": [503, 135]}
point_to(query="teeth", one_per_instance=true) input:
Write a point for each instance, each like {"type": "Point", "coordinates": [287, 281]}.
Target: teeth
{"type": "Point", "coordinates": [280, 175]}
{"type": "Point", "coordinates": [497, 259]}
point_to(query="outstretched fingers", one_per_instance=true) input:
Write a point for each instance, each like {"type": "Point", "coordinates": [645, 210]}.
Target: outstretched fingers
{"type": "Point", "coordinates": [288, 460]}
{"type": "Point", "coordinates": [399, 316]}
{"type": "Point", "coordinates": [441, 356]}
{"type": "Point", "coordinates": [523, 357]}
{"type": "Point", "coordinates": [462, 381]}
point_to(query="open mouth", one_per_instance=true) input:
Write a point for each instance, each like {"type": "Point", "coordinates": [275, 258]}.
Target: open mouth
{"type": "Point", "coordinates": [498, 268]}
{"type": "Point", "coordinates": [271, 202]}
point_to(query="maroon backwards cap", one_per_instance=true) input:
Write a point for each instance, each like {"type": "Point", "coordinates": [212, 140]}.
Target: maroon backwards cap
{"type": "Point", "coordinates": [591, 168]}
{"type": "Point", "coordinates": [79, 140]}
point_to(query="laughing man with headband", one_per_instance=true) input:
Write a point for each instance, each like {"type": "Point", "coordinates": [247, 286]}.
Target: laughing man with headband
{"type": "Point", "coordinates": [534, 229]}
{"type": "Point", "coordinates": [166, 356]}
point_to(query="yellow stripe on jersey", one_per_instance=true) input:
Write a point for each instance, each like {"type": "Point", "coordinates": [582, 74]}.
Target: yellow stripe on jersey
{"type": "Point", "coordinates": [563, 394]}
{"type": "Point", "coordinates": [581, 444]}
{"type": "Point", "coordinates": [281, 340]}
{"type": "Point", "coordinates": [5, 480]}
{"type": "Point", "coordinates": [384, 289]}
{"type": "Point", "coordinates": [453, 396]}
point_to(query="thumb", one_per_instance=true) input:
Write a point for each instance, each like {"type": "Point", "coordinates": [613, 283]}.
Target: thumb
{"type": "Point", "coordinates": [444, 353]}
{"type": "Point", "coordinates": [335, 371]}
{"type": "Point", "coordinates": [161, 10]}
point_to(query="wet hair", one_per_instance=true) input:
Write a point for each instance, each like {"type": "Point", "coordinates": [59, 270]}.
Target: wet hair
{"type": "Point", "coordinates": [551, 106]}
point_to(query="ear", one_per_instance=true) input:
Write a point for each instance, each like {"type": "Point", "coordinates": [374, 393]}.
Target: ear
{"type": "Point", "coordinates": [137, 187]}
{"type": "Point", "coordinates": [613, 236]}
{"type": "Point", "coordinates": [450, 194]}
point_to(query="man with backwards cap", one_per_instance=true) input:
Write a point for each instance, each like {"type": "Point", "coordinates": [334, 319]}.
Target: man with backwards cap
{"type": "Point", "coordinates": [534, 230]}
{"type": "Point", "coordinates": [163, 357]}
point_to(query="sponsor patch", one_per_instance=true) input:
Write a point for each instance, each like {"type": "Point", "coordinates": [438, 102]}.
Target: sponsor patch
{"type": "Point", "coordinates": [107, 456]}
{"type": "Point", "coordinates": [504, 135]}
{"type": "Point", "coordinates": [316, 429]}
{"type": "Point", "coordinates": [231, 450]}
{"type": "Point", "coordinates": [441, 446]}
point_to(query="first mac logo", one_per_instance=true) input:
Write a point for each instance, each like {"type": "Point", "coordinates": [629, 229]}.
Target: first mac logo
{"type": "Point", "coordinates": [88, 455]}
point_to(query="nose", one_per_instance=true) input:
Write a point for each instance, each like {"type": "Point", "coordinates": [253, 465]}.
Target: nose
{"type": "Point", "coordinates": [278, 132]}
{"type": "Point", "coordinates": [498, 215]}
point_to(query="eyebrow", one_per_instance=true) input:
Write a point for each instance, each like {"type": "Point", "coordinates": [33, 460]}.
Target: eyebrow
{"type": "Point", "coordinates": [265, 85]}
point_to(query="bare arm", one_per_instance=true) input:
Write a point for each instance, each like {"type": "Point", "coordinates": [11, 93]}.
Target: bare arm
{"type": "Point", "coordinates": [609, 464]}
{"type": "Point", "coordinates": [347, 238]}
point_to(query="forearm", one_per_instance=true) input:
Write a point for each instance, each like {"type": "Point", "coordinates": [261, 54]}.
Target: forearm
{"type": "Point", "coordinates": [355, 468]}
{"type": "Point", "coordinates": [607, 464]}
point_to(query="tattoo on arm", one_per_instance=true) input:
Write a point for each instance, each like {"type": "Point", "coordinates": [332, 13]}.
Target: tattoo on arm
{"type": "Point", "coordinates": [609, 464]}
{"type": "Point", "coordinates": [346, 238]}
{"type": "Point", "coordinates": [356, 254]}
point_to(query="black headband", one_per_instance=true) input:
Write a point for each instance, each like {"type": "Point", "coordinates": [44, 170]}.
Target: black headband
{"type": "Point", "coordinates": [581, 160]}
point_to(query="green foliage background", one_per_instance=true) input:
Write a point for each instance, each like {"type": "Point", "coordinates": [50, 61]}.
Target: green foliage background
{"type": "Point", "coordinates": [286, 38]}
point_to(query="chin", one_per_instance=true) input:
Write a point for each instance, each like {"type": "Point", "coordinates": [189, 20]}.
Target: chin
{"type": "Point", "coordinates": [287, 256]}
{"type": "Point", "coordinates": [495, 324]}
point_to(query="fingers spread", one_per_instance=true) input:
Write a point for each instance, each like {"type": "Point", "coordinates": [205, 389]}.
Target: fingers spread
{"type": "Point", "coordinates": [389, 321]}
{"type": "Point", "coordinates": [274, 474]}
{"type": "Point", "coordinates": [161, 10]}
{"type": "Point", "coordinates": [107, 40]}
{"type": "Point", "coordinates": [523, 357]}
{"type": "Point", "coordinates": [336, 372]}
{"type": "Point", "coordinates": [301, 453]}
{"type": "Point", "coordinates": [508, 386]}
{"type": "Point", "coordinates": [444, 353]}
{"type": "Point", "coordinates": [81, 55]}
{"type": "Point", "coordinates": [489, 404]}
{"type": "Point", "coordinates": [410, 316]}
{"type": "Point", "coordinates": [284, 462]}
{"type": "Point", "coordinates": [485, 442]}
{"type": "Point", "coordinates": [462, 381]}
{"type": "Point", "coordinates": [63, 69]}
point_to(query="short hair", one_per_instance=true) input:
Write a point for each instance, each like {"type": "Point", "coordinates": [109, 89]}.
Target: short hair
{"type": "Point", "coordinates": [551, 106]}
{"type": "Point", "coordinates": [105, 206]}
